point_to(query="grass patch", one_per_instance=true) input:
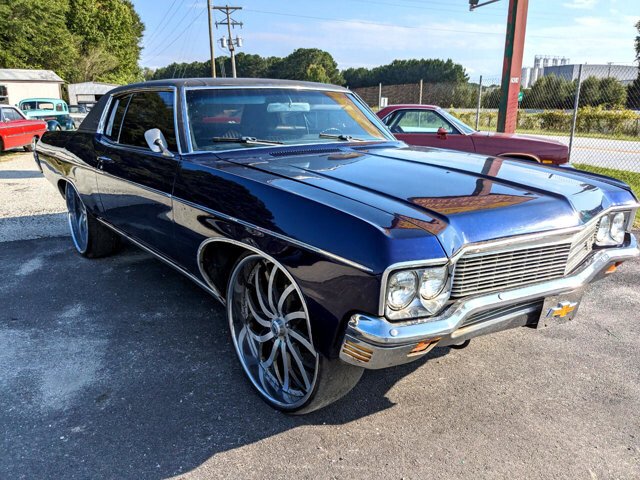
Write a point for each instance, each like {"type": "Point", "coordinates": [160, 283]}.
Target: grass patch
{"type": "Point", "coordinates": [631, 178]}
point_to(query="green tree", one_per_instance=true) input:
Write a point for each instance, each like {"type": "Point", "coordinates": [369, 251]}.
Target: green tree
{"type": "Point", "coordinates": [358, 77]}
{"type": "Point", "coordinates": [408, 71]}
{"type": "Point", "coordinates": [589, 92]}
{"type": "Point", "coordinates": [34, 34]}
{"type": "Point", "coordinates": [633, 90]}
{"type": "Point", "coordinates": [550, 91]}
{"type": "Point", "coordinates": [296, 65]}
{"type": "Point", "coordinates": [608, 92]}
{"type": "Point", "coordinates": [317, 73]}
{"type": "Point", "coordinates": [491, 97]}
{"type": "Point", "coordinates": [612, 93]}
{"type": "Point", "coordinates": [111, 26]}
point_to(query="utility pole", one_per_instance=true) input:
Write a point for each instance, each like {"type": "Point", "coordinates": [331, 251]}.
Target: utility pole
{"type": "Point", "coordinates": [229, 42]}
{"type": "Point", "coordinates": [512, 64]}
{"type": "Point", "coordinates": [211, 42]}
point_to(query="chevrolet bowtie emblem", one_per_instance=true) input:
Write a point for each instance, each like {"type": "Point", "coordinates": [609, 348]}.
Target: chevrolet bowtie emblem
{"type": "Point", "coordinates": [562, 309]}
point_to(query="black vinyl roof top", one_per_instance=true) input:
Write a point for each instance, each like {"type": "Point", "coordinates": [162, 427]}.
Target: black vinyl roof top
{"type": "Point", "coordinates": [230, 82]}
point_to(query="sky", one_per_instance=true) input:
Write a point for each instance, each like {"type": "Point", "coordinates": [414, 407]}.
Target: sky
{"type": "Point", "coordinates": [368, 33]}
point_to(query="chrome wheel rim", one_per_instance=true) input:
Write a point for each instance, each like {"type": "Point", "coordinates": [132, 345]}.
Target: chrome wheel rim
{"type": "Point", "coordinates": [77, 217]}
{"type": "Point", "coordinates": [271, 332]}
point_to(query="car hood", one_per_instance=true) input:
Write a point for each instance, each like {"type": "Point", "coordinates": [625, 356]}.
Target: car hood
{"type": "Point", "coordinates": [461, 198]}
{"type": "Point", "coordinates": [519, 137]}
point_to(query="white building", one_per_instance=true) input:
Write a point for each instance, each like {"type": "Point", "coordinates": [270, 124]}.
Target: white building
{"type": "Point", "coordinates": [17, 84]}
{"type": "Point", "coordinates": [88, 92]}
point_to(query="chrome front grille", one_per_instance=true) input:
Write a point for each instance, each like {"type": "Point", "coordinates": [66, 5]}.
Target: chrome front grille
{"type": "Point", "coordinates": [490, 272]}
{"type": "Point", "coordinates": [581, 247]}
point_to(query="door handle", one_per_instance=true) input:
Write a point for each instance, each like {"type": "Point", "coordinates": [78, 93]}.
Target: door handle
{"type": "Point", "coordinates": [102, 161]}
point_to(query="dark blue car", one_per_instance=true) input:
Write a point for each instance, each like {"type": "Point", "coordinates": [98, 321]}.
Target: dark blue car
{"type": "Point", "coordinates": [333, 246]}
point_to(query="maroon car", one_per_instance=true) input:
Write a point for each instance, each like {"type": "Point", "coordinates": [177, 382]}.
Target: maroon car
{"type": "Point", "coordinates": [431, 126]}
{"type": "Point", "coordinates": [18, 131]}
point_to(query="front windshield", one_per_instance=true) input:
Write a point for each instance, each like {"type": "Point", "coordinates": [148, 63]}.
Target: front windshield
{"type": "Point", "coordinates": [463, 127]}
{"type": "Point", "coordinates": [220, 118]}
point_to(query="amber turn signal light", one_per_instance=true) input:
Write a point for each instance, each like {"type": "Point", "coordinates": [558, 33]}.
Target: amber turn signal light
{"type": "Point", "coordinates": [424, 345]}
{"type": "Point", "coordinates": [613, 268]}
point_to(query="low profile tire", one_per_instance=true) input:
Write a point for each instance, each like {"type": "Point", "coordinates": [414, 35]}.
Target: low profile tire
{"type": "Point", "coordinates": [91, 238]}
{"type": "Point", "coordinates": [32, 146]}
{"type": "Point", "coordinates": [271, 333]}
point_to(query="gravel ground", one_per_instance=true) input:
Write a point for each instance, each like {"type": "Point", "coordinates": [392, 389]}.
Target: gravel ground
{"type": "Point", "coordinates": [29, 205]}
{"type": "Point", "coordinates": [122, 368]}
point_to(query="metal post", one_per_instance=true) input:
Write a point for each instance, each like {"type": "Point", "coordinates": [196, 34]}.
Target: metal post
{"type": "Point", "coordinates": [576, 104]}
{"type": "Point", "coordinates": [479, 103]}
{"type": "Point", "coordinates": [231, 44]}
{"type": "Point", "coordinates": [512, 66]}
{"type": "Point", "coordinates": [379, 95]}
{"type": "Point", "coordinates": [232, 49]}
{"type": "Point", "coordinates": [420, 100]}
{"type": "Point", "coordinates": [211, 42]}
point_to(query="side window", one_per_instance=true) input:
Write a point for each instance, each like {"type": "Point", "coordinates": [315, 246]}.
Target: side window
{"type": "Point", "coordinates": [148, 110]}
{"type": "Point", "coordinates": [59, 108]}
{"type": "Point", "coordinates": [114, 120]}
{"type": "Point", "coordinates": [419, 121]}
{"type": "Point", "coordinates": [9, 114]}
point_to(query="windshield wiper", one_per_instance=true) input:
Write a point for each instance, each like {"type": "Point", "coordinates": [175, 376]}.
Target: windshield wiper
{"type": "Point", "coordinates": [247, 140]}
{"type": "Point", "coordinates": [342, 136]}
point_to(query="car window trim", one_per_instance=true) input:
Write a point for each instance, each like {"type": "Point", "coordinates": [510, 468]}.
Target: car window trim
{"type": "Point", "coordinates": [134, 149]}
{"type": "Point", "coordinates": [397, 111]}
{"type": "Point", "coordinates": [187, 126]}
{"type": "Point", "coordinates": [393, 112]}
{"type": "Point", "coordinates": [130, 91]}
{"type": "Point", "coordinates": [124, 115]}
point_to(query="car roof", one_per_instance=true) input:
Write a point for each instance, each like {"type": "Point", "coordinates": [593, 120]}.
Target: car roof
{"type": "Point", "coordinates": [230, 82]}
{"type": "Point", "coordinates": [413, 105]}
{"type": "Point", "coordinates": [41, 100]}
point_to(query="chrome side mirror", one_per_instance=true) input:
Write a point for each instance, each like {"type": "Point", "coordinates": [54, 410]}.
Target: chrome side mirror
{"type": "Point", "coordinates": [157, 143]}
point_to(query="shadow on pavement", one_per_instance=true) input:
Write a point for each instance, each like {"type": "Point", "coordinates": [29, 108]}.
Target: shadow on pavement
{"type": "Point", "coordinates": [18, 174]}
{"type": "Point", "coordinates": [122, 368]}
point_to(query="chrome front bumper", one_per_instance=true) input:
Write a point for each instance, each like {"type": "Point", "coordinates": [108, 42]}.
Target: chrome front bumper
{"type": "Point", "coordinates": [373, 342]}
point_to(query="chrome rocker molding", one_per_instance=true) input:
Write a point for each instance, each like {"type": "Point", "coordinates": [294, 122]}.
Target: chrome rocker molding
{"type": "Point", "coordinates": [390, 343]}
{"type": "Point", "coordinates": [209, 288]}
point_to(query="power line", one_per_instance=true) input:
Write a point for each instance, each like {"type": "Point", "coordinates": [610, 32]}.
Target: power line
{"type": "Point", "coordinates": [162, 21]}
{"type": "Point", "coordinates": [175, 27]}
{"type": "Point", "coordinates": [366, 22]}
{"type": "Point", "coordinates": [177, 37]}
{"type": "Point", "coordinates": [389, 25]}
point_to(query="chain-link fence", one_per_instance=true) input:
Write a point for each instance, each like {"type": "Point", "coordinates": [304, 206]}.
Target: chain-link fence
{"type": "Point", "coordinates": [594, 109]}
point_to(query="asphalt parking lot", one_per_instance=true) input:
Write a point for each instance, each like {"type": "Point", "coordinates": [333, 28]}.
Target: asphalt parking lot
{"type": "Point", "coordinates": [122, 368]}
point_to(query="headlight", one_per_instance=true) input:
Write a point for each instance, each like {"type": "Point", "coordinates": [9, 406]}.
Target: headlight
{"type": "Point", "coordinates": [417, 293]}
{"type": "Point", "coordinates": [618, 227]}
{"type": "Point", "coordinates": [612, 228]}
{"type": "Point", "coordinates": [402, 289]}
{"type": "Point", "coordinates": [603, 229]}
{"type": "Point", "coordinates": [432, 282]}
